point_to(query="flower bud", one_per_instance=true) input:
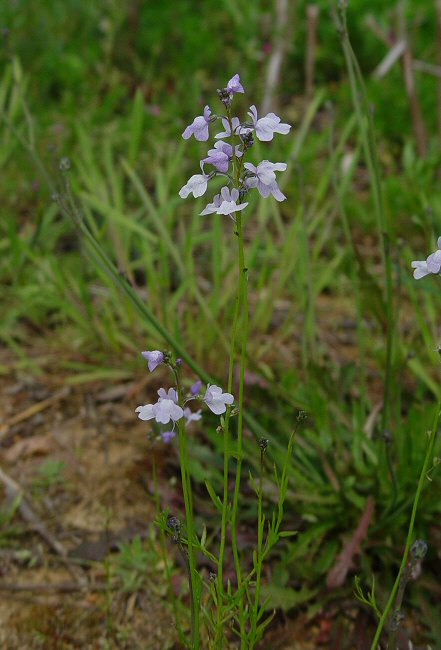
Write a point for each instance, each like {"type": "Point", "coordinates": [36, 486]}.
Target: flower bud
{"type": "Point", "coordinates": [64, 164]}
{"type": "Point", "coordinates": [173, 523]}
{"type": "Point", "coordinates": [225, 96]}
{"type": "Point", "coordinates": [418, 550]}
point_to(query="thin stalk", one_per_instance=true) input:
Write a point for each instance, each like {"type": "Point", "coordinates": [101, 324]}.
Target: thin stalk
{"type": "Point", "coordinates": [429, 455]}
{"type": "Point", "coordinates": [226, 434]}
{"type": "Point", "coordinates": [242, 270]}
{"type": "Point", "coordinates": [284, 477]}
{"type": "Point", "coordinates": [259, 558]}
{"type": "Point", "coordinates": [188, 501]}
{"type": "Point", "coordinates": [163, 548]}
{"type": "Point", "coordinates": [405, 577]}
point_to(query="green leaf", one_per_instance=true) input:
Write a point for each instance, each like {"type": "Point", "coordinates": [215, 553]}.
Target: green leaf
{"type": "Point", "coordinates": [217, 502]}
{"type": "Point", "coordinates": [288, 533]}
{"type": "Point", "coordinates": [286, 597]}
{"type": "Point", "coordinates": [253, 483]}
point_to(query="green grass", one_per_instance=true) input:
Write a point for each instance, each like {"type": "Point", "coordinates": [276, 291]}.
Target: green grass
{"type": "Point", "coordinates": [317, 321]}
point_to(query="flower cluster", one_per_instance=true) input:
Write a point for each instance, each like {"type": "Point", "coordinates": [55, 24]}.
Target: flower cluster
{"type": "Point", "coordinates": [430, 265]}
{"type": "Point", "coordinates": [227, 158]}
{"type": "Point", "coordinates": [168, 410]}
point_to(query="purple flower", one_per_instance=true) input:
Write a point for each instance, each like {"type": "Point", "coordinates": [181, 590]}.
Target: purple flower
{"type": "Point", "coordinates": [196, 185]}
{"type": "Point", "coordinates": [237, 128]}
{"type": "Point", "coordinates": [234, 85]}
{"type": "Point", "coordinates": [224, 203]}
{"type": "Point", "coordinates": [196, 387]}
{"type": "Point", "coordinates": [163, 411]}
{"type": "Point", "coordinates": [199, 127]}
{"type": "Point", "coordinates": [420, 269]}
{"type": "Point", "coordinates": [221, 155]}
{"type": "Point", "coordinates": [434, 260]}
{"type": "Point", "coordinates": [216, 400]}
{"type": "Point", "coordinates": [167, 436]}
{"type": "Point", "coordinates": [212, 208]}
{"type": "Point", "coordinates": [154, 358]}
{"type": "Point", "coordinates": [265, 127]}
{"type": "Point", "coordinates": [191, 417]}
{"type": "Point", "coordinates": [172, 394]}
{"type": "Point", "coordinates": [264, 178]}
{"type": "Point", "coordinates": [229, 199]}
{"type": "Point", "coordinates": [431, 265]}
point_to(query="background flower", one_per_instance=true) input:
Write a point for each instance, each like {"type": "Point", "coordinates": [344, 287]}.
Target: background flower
{"type": "Point", "coordinates": [216, 400]}
{"type": "Point", "coordinates": [199, 127]}
{"type": "Point", "coordinates": [154, 358]}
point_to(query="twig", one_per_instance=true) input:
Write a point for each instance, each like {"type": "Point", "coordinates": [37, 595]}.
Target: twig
{"type": "Point", "coordinates": [32, 410]}
{"type": "Point", "coordinates": [428, 68]}
{"type": "Point", "coordinates": [337, 575]}
{"type": "Point", "coordinates": [312, 14]}
{"type": "Point", "coordinates": [13, 489]}
{"type": "Point", "coordinates": [395, 53]}
{"type": "Point", "coordinates": [275, 62]}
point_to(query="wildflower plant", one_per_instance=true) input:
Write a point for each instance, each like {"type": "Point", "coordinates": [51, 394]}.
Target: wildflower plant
{"type": "Point", "coordinates": [236, 603]}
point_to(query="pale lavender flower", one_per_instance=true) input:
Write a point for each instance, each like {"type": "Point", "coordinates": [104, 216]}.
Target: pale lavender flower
{"type": "Point", "coordinates": [229, 201]}
{"type": "Point", "coordinates": [190, 416]}
{"type": "Point", "coordinates": [234, 85]}
{"type": "Point", "coordinates": [167, 436]}
{"type": "Point", "coordinates": [431, 265]}
{"type": "Point", "coordinates": [212, 208]}
{"type": "Point", "coordinates": [420, 269]}
{"type": "Point", "coordinates": [216, 400]}
{"type": "Point", "coordinates": [221, 155]}
{"type": "Point", "coordinates": [265, 127]}
{"type": "Point", "coordinates": [199, 127]}
{"type": "Point", "coordinates": [237, 128]}
{"type": "Point", "coordinates": [224, 203]}
{"type": "Point", "coordinates": [434, 260]}
{"type": "Point", "coordinates": [196, 185]}
{"type": "Point", "coordinates": [163, 411]}
{"type": "Point", "coordinates": [172, 394]}
{"type": "Point", "coordinates": [154, 358]}
{"type": "Point", "coordinates": [264, 178]}
{"type": "Point", "coordinates": [196, 387]}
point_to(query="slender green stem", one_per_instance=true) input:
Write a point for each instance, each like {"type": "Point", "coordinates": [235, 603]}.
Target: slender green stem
{"type": "Point", "coordinates": [259, 558]}
{"type": "Point", "coordinates": [163, 548]}
{"type": "Point", "coordinates": [428, 457]}
{"type": "Point", "coordinates": [284, 477]}
{"type": "Point", "coordinates": [405, 577]}
{"type": "Point", "coordinates": [242, 270]}
{"type": "Point", "coordinates": [188, 501]}
{"type": "Point", "coordinates": [226, 434]}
